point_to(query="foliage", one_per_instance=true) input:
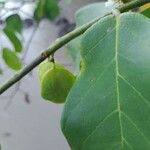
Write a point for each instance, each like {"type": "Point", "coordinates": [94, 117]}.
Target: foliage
{"type": "Point", "coordinates": [13, 27]}
{"type": "Point", "coordinates": [145, 10]}
{"type": "Point", "coordinates": [83, 16]}
{"type": "Point", "coordinates": [11, 59]}
{"type": "Point", "coordinates": [108, 107]}
{"type": "Point", "coordinates": [46, 8]}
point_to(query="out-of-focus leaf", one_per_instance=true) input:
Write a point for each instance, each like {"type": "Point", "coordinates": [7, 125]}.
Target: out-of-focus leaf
{"type": "Point", "coordinates": [46, 8]}
{"type": "Point", "coordinates": [73, 49]}
{"type": "Point", "coordinates": [13, 38]}
{"type": "Point", "coordinates": [90, 12]}
{"type": "Point", "coordinates": [83, 16]}
{"type": "Point", "coordinates": [51, 8]}
{"type": "Point", "coordinates": [11, 59]}
{"type": "Point", "coordinates": [14, 22]}
{"type": "Point", "coordinates": [39, 10]}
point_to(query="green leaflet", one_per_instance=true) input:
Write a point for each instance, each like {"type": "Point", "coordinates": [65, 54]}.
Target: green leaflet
{"type": "Point", "coordinates": [109, 106]}
{"type": "Point", "coordinates": [11, 35]}
{"type": "Point", "coordinates": [46, 8]}
{"type": "Point", "coordinates": [51, 9]}
{"type": "Point", "coordinates": [11, 59]}
{"type": "Point", "coordinates": [39, 10]}
{"type": "Point", "coordinates": [14, 22]}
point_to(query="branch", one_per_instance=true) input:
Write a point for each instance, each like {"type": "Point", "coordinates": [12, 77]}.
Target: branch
{"type": "Point", "coordinates": [64, 40]}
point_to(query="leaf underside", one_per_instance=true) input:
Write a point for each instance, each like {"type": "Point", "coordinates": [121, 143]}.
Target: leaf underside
{"type": "Point", "coordinates": [109, 106]}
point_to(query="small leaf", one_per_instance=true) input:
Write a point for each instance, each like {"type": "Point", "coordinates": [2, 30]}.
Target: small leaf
{"type": "Point", "coordinates": [11, 59]}
{"type": "Point", "coordinates": [51, 8]}
{"type": "Point", "coordinates": [39, 10]}
{"type": "Point", "coordinates": [13, 38]}
{"type": "Point", "coordinates": [14, 22]}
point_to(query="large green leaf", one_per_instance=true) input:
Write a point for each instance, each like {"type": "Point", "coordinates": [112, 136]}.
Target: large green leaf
{"type": "Point", "coordinates": [84, 15]}
{"type": "Point", "coordinates": [11, 59]}
{"type": "Point", "coordinates": [14, 22]}
{"type": "Point", "coordinates": [109, 106]}
{"type": "Point", "coordinates": [13, 38]}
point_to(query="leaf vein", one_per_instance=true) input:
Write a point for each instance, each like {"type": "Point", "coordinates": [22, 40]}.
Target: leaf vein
{"type": "Point", "coordinates": [117, 79]}
{"type": "Point", "coordinates": [135, 89]}
{"type": "Point", "coordinates": [99, 124]}
{"type": "Point", "coordinates": [128, 144]}
{"type": "Point", "coordinates": [90, 87]}
{"type": "Point", "coordinates": [99, 41]}
{"type": "Point", "coordinates": [136, 127]}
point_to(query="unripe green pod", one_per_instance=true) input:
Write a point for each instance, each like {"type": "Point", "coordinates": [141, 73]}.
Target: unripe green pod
{"type": "Point", "coordinates": [55, 81]}
{"type": "Point", "coordinates": [43, 68]}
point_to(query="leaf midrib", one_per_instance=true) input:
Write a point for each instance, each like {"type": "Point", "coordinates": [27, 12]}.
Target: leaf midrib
{"type": "Point", "coordinates": [117, 78]}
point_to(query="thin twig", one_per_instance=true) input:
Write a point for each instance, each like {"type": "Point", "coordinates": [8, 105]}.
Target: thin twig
{"type": "Point", "coordinates": [62, 41]}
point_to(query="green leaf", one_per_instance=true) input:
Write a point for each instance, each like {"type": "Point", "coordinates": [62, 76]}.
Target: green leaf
{"type": "Point", "coordinates": [14, 22]}
{"type": "Point", "coordinates": [83, 16]}
{"type": "Point", "coordinates": [51, 8]}
{"type": "Point", "coordinates": [13, 38]}
{"type": "Point", "coordinates": [11, 59]}
{"type": "Point", "coordinates": [89, 12]}
{"type": "Point", "coordinates": [108, 108]}
{"type": "Point", "coordinates": [146, 12]}
{"type": "Point", "coordinates": [46, 8]}
{"type": "Point", "coordinates": [39, 10]}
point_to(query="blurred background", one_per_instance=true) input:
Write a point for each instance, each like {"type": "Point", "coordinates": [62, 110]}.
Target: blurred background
{"type": "Point", "coordinates": [27, 122]}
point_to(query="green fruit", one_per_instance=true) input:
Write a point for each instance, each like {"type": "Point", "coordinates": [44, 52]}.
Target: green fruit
{"type": "Point", "coordinates": [55, 81]}
{"type": "Point", "coordinates": [43, 68]}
